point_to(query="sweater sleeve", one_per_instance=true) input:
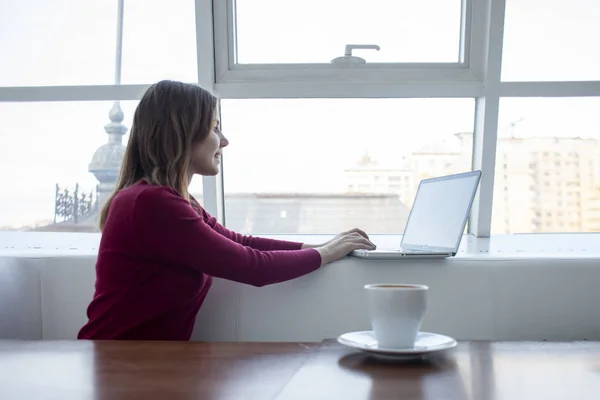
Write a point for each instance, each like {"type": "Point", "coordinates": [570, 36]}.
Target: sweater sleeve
{"type": "Point", "coordinates": [251, 241]}
{"type": "Point", "coordinates": [171, 231]}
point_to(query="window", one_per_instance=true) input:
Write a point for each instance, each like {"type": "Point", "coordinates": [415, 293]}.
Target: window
{"type": "Point", "coordinates": [43, 145]}
{"type": "Point", "coordinates": [54, 148]}
{"type": "Point", "coordinates": [159, 41]}
{"type": "Point", "coordinates": [551, 40]}
{"type": "Point", "coordinates": [317, 147]}
{"type": "Point", "coordinates": [316, 31]}
{"type": "Point", "coordinates": [557, 126]}
{"type": "Point", "coordinates": [72, 42]}
{"type": "Point", "coordinates": [301, 156]}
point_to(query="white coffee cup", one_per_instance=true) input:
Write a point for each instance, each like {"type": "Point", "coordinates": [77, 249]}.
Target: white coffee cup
{"type": "Point", "coordinates": [396, 311]}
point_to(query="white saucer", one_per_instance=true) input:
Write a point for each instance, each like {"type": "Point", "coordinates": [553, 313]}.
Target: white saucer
{"type": "Point", "coordinates": [425, 344]}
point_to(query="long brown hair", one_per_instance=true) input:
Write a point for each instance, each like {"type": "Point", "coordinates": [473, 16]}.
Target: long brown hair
{"type": "Point", "coordinates": [169, 119]}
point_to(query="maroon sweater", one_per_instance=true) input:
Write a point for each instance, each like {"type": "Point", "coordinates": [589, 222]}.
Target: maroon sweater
{"type": "Point", "coordinates": [156, 261]}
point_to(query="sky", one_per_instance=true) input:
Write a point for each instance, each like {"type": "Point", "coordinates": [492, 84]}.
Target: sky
{"type": "Point", "coordinates": [276, 145]}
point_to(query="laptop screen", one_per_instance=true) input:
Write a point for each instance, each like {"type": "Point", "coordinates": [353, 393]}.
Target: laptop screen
{"type": "Point", "coordinates": [440, 211]}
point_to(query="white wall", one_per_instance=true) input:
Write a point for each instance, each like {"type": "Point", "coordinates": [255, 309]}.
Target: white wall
{"type": "Point", "coordinates": [20, 301]}
{"type": "Point", "coordinates": [476, 295]}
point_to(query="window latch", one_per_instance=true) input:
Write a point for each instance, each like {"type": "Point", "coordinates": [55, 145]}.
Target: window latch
{"type": "Point", "coordinates": [349, 59]}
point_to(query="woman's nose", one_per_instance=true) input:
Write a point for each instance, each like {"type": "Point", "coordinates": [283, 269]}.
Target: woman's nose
{"type": "Point", "coordinates": [224, 141]}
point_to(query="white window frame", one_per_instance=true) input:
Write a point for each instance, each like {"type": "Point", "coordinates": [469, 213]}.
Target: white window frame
{"type": "Point", "coordinates": [229, 72]}
{"type": "Point", "coordinates": [481, 81]}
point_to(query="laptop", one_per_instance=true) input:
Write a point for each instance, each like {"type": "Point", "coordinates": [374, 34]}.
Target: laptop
{"type": "Point", "coordinates": [436, 221]}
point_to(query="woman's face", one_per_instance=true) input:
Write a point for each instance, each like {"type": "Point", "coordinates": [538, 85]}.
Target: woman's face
{"type": "Point", "coordinates": [206, 155]}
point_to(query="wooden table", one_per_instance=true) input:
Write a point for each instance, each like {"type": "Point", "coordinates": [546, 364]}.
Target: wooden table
{"type": "Point", "coordinates": [31, 370]}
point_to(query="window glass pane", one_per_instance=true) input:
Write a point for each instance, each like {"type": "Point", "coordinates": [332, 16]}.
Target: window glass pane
{"type": "Point", "coordinates": [58, 42]}
{"type": "Point", "coordinates": [55, 147]}
{"type": "Point", "coordinates": [159, 41]}
{"type": "Point", "coordinates": [73, 42]}
{"type": "Point", "coordinates": [316, 31]}
{"type": "Point", "coordinates": [325, 165]}
{"type": "Point", "coordinates": [547, 166]}
{"type": "Point", "coordinates": [551, 40]}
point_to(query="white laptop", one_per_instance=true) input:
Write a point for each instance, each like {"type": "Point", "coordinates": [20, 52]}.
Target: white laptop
{"type": "Point", "coordinates": [437, 219]}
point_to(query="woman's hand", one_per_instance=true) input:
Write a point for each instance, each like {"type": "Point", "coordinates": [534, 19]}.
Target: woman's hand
{"type": "Point", "coordinates": [351, 231]}
{"type": "Point", "coordinates": [343, 244]}
{"type": "Point", "coordinates": [355, 230]}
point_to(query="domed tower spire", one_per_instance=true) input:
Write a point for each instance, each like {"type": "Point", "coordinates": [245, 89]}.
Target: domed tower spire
{"type": "Point", "coordinates": [115, 128]}
{"type": "Point", "coordinates": [106, 162]}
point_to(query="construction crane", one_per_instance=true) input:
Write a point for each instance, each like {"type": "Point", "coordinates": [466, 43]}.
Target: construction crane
{"type": "Point", "coordinates": [512, 125]}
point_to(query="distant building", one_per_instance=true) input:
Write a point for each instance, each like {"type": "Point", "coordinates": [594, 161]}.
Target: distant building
{"type": "Point", "coordinates": [77, 212]}
{"type": "Point", "coordinates": [300, 213]}
{"type": "Point", "coordinates": [541, 184]}
{"type": "Point", "coordinates": [402, 176]}
{"type": "Point", "coordinates": [546, 185]}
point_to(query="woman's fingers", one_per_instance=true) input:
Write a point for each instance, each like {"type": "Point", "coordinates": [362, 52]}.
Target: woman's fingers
{"type": "Point", "coordinates": [361, 242]}
{"type": "Point", "coordinates": [356, 230]}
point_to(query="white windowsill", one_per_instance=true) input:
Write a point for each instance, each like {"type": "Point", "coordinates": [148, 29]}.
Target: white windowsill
{"type": "Point", "coordinates": [496, 248]}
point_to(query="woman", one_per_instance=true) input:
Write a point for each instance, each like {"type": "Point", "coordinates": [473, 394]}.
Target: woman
{"type": "Point", "coordinates": [159, 249]}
